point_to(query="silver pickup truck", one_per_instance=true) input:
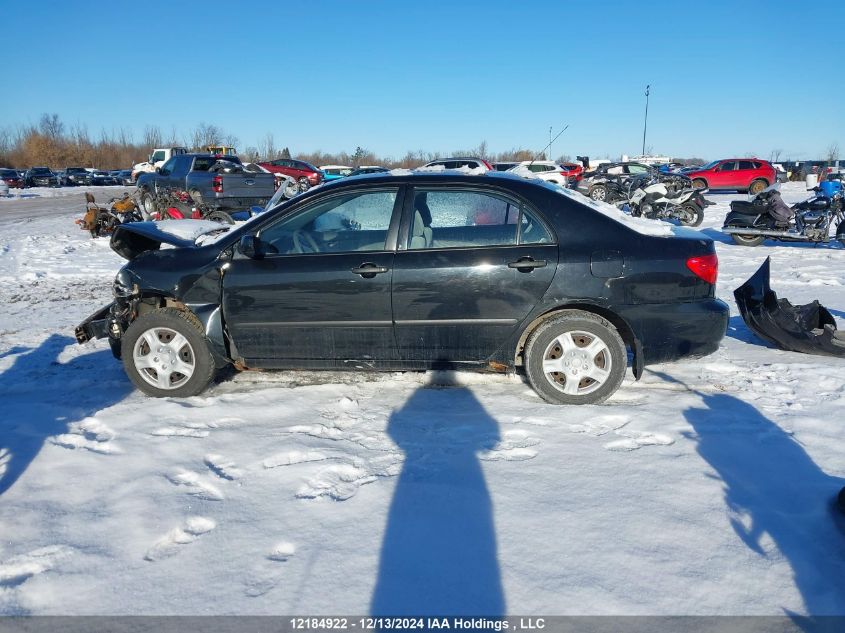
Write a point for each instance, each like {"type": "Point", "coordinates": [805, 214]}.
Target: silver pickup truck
{"type": "Point", "coordinates": [212, 181]}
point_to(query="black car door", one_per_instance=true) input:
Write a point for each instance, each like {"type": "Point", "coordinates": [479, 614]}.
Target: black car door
{"type": "Point", "coordinates": [472, 265]}
{"type": "Point", "coordinates": [318, 292]}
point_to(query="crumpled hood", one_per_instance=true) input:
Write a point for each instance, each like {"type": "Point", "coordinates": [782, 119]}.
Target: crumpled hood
{"type": "Point", "coordinates": [131, 239]}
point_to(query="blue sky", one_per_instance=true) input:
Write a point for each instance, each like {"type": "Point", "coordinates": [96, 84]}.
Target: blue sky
{"type": "Point", "coordinates": [727, 78]}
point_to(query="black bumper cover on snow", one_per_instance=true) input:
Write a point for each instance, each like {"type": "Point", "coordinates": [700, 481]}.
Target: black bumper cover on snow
{"type": "Point", "coordinates": [808, 328]}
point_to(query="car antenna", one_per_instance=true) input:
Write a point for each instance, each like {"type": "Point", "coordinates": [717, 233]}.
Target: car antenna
{"type": "Point", "coordinates": [548, 146]}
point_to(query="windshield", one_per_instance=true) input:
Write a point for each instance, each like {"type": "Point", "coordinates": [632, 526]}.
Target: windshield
{"type": "Point", "coordinates": [709, 165]}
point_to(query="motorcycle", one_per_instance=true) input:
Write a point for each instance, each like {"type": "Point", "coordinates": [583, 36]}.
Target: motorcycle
{"type": "Point", "coordinates": [104, 220]}
{"type": "Point", "coordinates": [179, 205]}
{"type": "Point", "coordinates": [650, 198]}
{"type": "Point", "coordinates": [768, 216]}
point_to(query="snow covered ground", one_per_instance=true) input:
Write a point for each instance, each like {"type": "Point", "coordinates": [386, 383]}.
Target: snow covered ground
{"type": "Point", "coordinates": [704, 488]}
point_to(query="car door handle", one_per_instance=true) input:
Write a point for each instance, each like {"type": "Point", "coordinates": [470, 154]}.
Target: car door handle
{"type": "Point", "coordinates": [527, 264]}
{"type": "Point", "coordinates": [368, 270]}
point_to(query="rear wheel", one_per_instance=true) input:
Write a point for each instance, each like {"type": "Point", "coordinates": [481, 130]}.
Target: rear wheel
{"type": "Point", "coordinates": [164, 354]}
{"type": "Point", "coordinates": [598, 192]}
{"type": "Point", "coordinates": [691, 214]}
{"type": "Point", "coordinates": [575, 358]}
{"type": "Point", "coordinates": [747, 240]}
{"type": "Point", "coordinates": [757, 186]}
{"type": "Point", "coordinates": [699, 183]}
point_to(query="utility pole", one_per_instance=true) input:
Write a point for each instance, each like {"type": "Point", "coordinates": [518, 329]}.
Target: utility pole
{"type": "Point", "coordinates": [550, 142]}
{"type": "Point", "coordinates": [645, 123]}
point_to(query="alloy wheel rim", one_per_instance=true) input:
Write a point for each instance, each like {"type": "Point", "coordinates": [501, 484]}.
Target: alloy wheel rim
{"type": "Point", "coordinates": [164, 358]}
{"type": "Point", "coordinates": [577, 363]}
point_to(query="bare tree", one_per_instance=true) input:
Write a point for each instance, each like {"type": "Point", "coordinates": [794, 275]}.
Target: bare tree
{"type": "Point", "coordinates": [774, 156]}
{"type": "Point", "coordinates": [51, 126]}
{"type": "Point", "coordinates": [832, 153]}
{"type": "Point", "coordinates": [267, 147]}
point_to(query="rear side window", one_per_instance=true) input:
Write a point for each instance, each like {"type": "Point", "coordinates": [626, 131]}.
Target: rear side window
{"type": "Point", "coordinates": [746, 164]}
{"type": "Point", "coordinates": [465, 219]}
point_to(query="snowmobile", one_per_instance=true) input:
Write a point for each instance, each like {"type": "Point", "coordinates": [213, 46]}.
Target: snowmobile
{"type": "Point", "coordinates": [178, 205]}
{"type": "Point", "coordinates": [808, 328]}
{"type": "Point", "coordinates": [103, 220]}
{"type": "Point", "coordinates": [768, 216]}
{"type": "Point", "coordinates": [651, 198]}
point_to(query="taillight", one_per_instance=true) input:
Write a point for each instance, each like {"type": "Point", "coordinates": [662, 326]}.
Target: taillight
{"type": "Point", "coordinates": [705, 266]}
{"type": "Point", "coordinates": [489, 166]}
{"type": "Point", "coordinates": [217, 184]}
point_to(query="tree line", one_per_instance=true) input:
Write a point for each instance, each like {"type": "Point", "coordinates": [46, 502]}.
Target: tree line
{"type": "Point", "coordinates": [52, 143]}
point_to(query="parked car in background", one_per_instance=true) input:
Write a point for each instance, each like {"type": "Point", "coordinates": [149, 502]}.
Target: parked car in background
{"type": "Point", "coordinates": [12, 178]}
{"type": "Point", "coordinates": [333, 172]}
{"type": "Point", "coordinates": [382, 272]}
{"type": "Point", "coordinates": [101, 178]}
{"type": "Point", "coordinates": [305, 173]}
{"type": "Point", "coordinates": [545, 170]}
{"type": "Point", "coordinates": [123, 177]}
{"type": "Point", "coordinates": [41, 177]}
{"type": "Point", "coordinates": [75, 176]}
{"type": "Point", "coordinates": [739, 174]}
{"type": "Point", "coordinates": [369, 169]}
{"type": "Point", "coordinates": [460, 162]}
{"type": "Point", "coordinates": [504, 166]}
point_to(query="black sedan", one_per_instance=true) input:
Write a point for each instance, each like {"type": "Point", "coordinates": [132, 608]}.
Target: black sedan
{"type": "Point", "coordinates": [41, 177]}
{"type": "Point", "coordinates": [426, 270]}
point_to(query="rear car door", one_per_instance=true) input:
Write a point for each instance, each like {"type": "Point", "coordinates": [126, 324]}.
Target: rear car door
{"type": "Point", "coordinates": [318, 293]}
{"type": "Point", "coordinates": [472, 263]}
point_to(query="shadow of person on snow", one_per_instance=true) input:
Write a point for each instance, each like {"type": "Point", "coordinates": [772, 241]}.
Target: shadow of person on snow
{"type": "Point", "coordinates": [41, 397]}
{"type": "Point", "coordinates": [439, 554]}
{"type": "Point", "coordinates": [773, 487]}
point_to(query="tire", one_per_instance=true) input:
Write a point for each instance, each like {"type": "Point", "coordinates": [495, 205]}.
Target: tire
{"type": "Point", "coordinates": [757, 186]}
{"type": "Point", "coordinates": [747, 240]}
{"type": "Point", "coordinates": [304, 185]}
{"type": "Point", "coordinates": [220, 216]}
{"type": "Point", "coordinates": [693, 214]}
{"type": "Point", "coordinates": [146, 365]}
{"type": "Point", "coordinates": [598, 192]}
{"type": "Point", "coordinates": [699, 183]}
{"type": "Point", "coordinates": [565, 339]}
{"type": "Point", "coordinates": [148, 206]}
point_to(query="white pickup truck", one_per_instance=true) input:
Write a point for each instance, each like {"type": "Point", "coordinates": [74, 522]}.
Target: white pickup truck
{"type": "Point", "coordinates": [157, 158]}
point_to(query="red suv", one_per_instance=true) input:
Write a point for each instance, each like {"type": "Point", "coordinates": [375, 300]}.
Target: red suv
{"type": "Point", "coordinates": [299, 170]}
{"type": "Point", "coordinates": [742, 174]}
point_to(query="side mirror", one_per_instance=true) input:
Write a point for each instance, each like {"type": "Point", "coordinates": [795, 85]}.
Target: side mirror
{"type": "Point", "coordinates": [158, 170]}
{"type": "Point", "coordinates": [248, 246]}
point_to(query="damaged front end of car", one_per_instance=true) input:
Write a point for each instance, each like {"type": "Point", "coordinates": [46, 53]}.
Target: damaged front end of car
{"type": "Point", "coordinates": [113, 319]}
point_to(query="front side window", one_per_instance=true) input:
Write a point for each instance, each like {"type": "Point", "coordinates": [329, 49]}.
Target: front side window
{"type": "Point", "coordinates": [462, 219]}
{"type": "Point", "coordinates": [350, 222]}
{"type": "Point", "coordinates": [167, 167]}
{"type": "Point", "coordinates": [157, 156]}
{"type": "Point", "coordinates": [637, 169]}
{"type": "Point", "coordinates": [729, 166]}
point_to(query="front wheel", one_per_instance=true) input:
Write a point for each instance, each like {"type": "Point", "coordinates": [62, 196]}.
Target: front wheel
{"type": "Point", "coordinates": [699, 183]}
{"type": "Point", "coordinates": [575, 358]}
{"type": "Point", "coordinates": [747, 240]}
{"type": "Point", "coordinates": [165, 354]}
{"type": "Point", "coordinates": [691, 214]}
